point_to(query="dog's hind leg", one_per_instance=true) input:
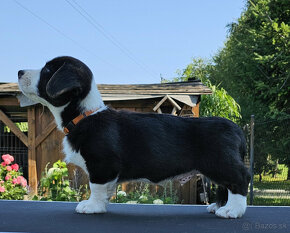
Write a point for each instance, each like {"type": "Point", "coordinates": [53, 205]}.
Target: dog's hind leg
{"type": "Point", "coordinates": [237, 194]}
{"type": "Point", "coordinates": [221, 199]}
{"type": "Point", "coordinates": [98, 199]}
{"type": "Point", "coordinates": [235, 207]}
{"type": "Point", "coordinates": [234, 179]}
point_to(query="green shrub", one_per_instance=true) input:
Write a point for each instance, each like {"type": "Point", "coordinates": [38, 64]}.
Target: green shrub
{"type": "Point", "coordinates": [55, 186]}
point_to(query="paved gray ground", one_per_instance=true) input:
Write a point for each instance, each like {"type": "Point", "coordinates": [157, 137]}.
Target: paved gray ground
{"type": "Point", "coordinates": [24, 216]}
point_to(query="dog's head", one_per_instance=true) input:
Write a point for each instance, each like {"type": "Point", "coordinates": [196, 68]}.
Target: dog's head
{"type": "Point", "coordinates": [60, 81]}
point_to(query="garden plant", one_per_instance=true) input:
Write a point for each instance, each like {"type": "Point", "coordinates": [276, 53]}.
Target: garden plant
{"type": "Point", "coordinates": [13, 186]}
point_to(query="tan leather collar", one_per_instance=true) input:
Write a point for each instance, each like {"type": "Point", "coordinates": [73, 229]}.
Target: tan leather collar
{"type": "Point", "coordinates": [76, 120]}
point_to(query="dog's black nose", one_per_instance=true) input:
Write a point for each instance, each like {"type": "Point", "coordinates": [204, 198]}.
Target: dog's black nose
{"type": "Point", "coordinates": [20, 73]}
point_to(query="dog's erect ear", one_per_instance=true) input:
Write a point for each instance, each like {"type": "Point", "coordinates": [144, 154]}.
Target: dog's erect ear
{"type": "Point", "coordinates": [64, 80]}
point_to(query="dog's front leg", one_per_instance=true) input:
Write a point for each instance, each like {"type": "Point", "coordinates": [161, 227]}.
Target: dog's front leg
{"type": "Point", "coordinates": [97, 201]}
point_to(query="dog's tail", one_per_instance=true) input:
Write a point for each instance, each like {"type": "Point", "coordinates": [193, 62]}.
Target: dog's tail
{"type": "Point", "coordinates": [221, 195]}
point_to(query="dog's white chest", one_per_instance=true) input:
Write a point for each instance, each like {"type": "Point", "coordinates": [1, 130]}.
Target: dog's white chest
{"type": "Point", "coordinates": [72, 156]}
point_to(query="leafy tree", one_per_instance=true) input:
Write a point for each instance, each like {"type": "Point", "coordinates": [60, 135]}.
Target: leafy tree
{"type": "Point", "coordinates": [220, 103]}
{"type": "Point", "coordinates": [255, 62]}
{"type": "Point", "coordinates": [254, 67]}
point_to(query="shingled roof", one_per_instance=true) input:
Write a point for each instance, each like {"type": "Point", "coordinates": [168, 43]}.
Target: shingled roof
{"type": "Point", "coordinates": [178, 88]}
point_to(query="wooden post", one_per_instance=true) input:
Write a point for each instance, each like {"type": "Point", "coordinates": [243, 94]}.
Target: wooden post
{"type": "Point", "coordinates": [124, 186]}
{"type": "Point", "coordinates": [195, 110]}
{"type": "Point", "coordinates": [32, 174]}
{"type": "Point", "coordinates": [252, 159]}
{"type": "Point", "coordinates": [189, 190]}
{"type": "Point", "coordinates": [193, 190]}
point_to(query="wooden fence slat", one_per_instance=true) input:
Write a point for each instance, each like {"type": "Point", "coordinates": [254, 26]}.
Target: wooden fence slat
{"type": "Point", "coordinates": [13, 128]}
{"type": "Point", "coordinates": [32, 173]}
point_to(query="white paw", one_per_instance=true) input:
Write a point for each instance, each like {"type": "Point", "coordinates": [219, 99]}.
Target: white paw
{"type": "Point", "coordinates": [212, 208]}
{"type": "Point", "coordinates": [228, 211]}
{"type": "Point", "coordinates": [91, 207]}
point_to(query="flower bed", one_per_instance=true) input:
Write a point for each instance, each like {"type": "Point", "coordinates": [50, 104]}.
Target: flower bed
{"type": "Point", "coordinates": [13, 186]}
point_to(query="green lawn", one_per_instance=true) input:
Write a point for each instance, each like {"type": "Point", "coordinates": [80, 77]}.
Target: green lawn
{"type": "Point", "coordinates": [271, 201]}
{"type": "Point", "coordinates": [275, 184]}
{"type": "Point", "coordinates": [272, 190]}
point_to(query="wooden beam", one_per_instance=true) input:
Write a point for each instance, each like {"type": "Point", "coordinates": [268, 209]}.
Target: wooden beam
{"type": "Point", "coordinates": [174, 110]}
{"type": "Point", "coordinates": [174, 103]}
{"type": "Point", "coordinates": [9, 101]}
{"type": "Point", "coordinates": [160, 103]}
{"type": "Point", "coordinates": [159, 111]}
{"type": "Point", "coordinates": [5, 119]}
{"type": "Point", "coordinates": [44, 134]}
{"type": "Point", "coordinates": [32, 172]}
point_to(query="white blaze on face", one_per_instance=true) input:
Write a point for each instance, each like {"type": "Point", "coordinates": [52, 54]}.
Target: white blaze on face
{"type": "Point", "coordinates": [28, 84]}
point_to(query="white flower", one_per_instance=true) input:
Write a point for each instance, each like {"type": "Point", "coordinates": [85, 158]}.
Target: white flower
{"type": "Point", "coordinates": [131, 202]}
{"type": "Point", "coordinates": [121, 193]}
{"type": "Point", "coordinates": [158, 202]}
{"type": "Point", "coordinates": [144, 198]}
{"type": "Point", "coordinates": [52, 170]}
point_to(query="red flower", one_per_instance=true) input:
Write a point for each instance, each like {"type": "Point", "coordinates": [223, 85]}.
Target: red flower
{"type": "Point", "coordinates": [15, 167]}
{"type": "Point", "coordinates": [8, 168]}
{"type": "Point", "coordinates": [14, 181]}
{"type": "Point", "coordinates": [3, 164]}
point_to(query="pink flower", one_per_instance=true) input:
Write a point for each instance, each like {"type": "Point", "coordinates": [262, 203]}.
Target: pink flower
{"type": "Point", "coordinates": [14, 181]}
{"type": "Point", "coordinates": [8, 168]}
{"type": "Point", "coordinates": [11, 158]}
{"type": "Point", "coordinates": [8, 177]}
{"type": "Point", "coordinates": [2, 189]}
{"type": "Point", "coordinates": [22, 181]}
{"type": "Point", "coordinates": [1, 181]}
{"type": "Point", "coordinates": [3, 164]}
{"type": "Point", "coordinates": [7, 161]}
{"type": "Point", "coordinates": [15, 167]}
{"type": "Point", "coordinates": [5, 156]}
